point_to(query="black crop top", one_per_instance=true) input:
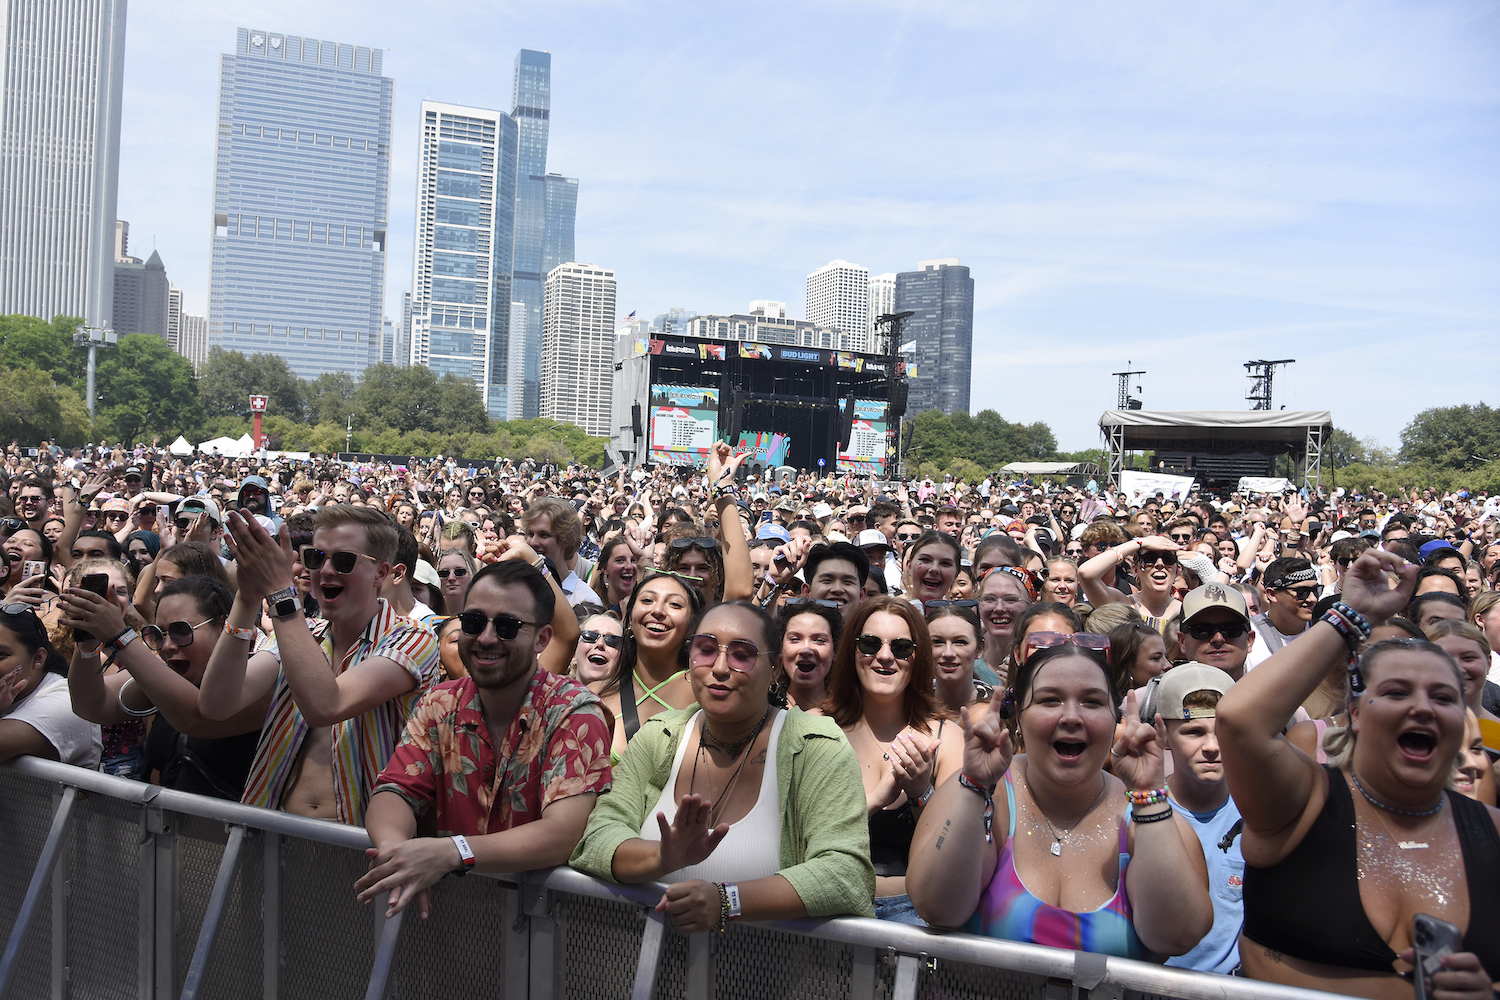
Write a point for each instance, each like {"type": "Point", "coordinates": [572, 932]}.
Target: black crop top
{"type": "Point", "coordinates": [1308, 906]}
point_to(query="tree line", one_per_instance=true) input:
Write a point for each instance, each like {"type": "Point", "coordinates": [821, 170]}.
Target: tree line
{"type": "Point", "coordinates": [144, 390]}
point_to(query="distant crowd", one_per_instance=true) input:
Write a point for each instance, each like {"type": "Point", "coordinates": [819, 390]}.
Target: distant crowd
{"type": "Point", "coordinates": [1243, 734]}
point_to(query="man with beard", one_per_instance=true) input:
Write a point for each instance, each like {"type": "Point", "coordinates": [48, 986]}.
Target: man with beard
{"type": "Point", "coordinates": [540, 737]}
{"type": "Point", "coordinates": [254, 497]}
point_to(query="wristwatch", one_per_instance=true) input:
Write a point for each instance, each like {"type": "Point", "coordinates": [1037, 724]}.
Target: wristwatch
{"type": "Point", "coordinates": [465, 853]}
{"type": "Point", "coordinates": [284, 602]}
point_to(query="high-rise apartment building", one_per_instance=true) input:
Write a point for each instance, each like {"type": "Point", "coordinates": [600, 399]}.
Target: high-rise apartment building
{"type": "Point", "coordinates": [674, 321]}
{"type": "Point", "coordinates": [546, 207]}
{"type": "Point", "coordinates": [192, 340]}
{"type": "Point", "coordinates": [882, 303]}
{"type": "Point", "coordinates": [62, 71]}
{"type": "Point", "coordinates": [578, 346]}
{"type": "Point", "coordinates": [940, 295]}
{"type": "Point", "coordinates": [142, 296]}
{"type": "Point", "coordinates": [301, 197]}
{"type": "Point", "coordinates": [838, 296]}
{"type": "Point", "coordinates": [461, 260]}
{"type": "Point", "coordinates": [174, 316]}
{"type": "Point", "coordinates": [401, 354]}
{"type": "Point", "coordinates": [766, 323]}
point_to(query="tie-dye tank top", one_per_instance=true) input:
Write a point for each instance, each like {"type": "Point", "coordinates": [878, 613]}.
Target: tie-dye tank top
{"type": "Point", "coordinates": [1008, 910]}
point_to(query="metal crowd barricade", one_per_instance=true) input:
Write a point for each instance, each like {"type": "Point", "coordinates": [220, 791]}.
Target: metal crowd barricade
{"type": "Point", "coordinates": [113, 888]}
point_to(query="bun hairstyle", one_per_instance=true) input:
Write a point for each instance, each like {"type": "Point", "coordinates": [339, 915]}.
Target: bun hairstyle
{"type": "Point", "coordinates": [1022, 675]}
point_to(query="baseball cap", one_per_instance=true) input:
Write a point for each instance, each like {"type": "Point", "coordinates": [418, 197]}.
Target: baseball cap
{"type": "Point", "coordinates": [1214, 595]}
{"type": "Point", "coordinates": [1435, 546]}
{"type": "Point", "coordinates": [1184, 679]}
{"type": "Point", "coordinates": [770, 530]}
{"type": "Point", "coordinates": [132, 471]}
{"type": "Point", "coordinates": [821, 510]}
{"type": "Point", "coordinates": [872, 538]}
{"type": "Point", "coordinates": [425, 573]}
{"type": "Point", "coordinates": [193, 506]}
{"type": "Point", "coordinates": [115, 503]}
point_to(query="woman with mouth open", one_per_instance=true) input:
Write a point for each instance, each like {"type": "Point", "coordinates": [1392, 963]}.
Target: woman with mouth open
{"type": "Point", "coordinates": [1371, 837]}
{"type": "Point", "coordinates": [1055, 858]}
{"type": "Point", "coordinates": [880, 694]}
{"type": "Point", "coordinates": [810, 634]}
{"type": "Point", "coordinates": [1156, 558]}
{"type": "Point", "coordinates": [931, 567]}
{"type": "Point", "coordinates": [743, 808]}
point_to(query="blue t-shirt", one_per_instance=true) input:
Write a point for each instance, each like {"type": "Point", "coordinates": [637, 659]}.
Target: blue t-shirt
{"type": "Point", "coordinates": [1219, 951]}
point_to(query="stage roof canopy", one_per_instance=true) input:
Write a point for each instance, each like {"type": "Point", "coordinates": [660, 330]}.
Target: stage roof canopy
{"type": "Point", "coordinates": [1052, 468]}
{"type": "Point", "coordinates": [1142, 427]}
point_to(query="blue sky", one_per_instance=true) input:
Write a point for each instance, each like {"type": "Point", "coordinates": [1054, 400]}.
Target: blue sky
{"type": "Point", "coordinates": [1185, 186]}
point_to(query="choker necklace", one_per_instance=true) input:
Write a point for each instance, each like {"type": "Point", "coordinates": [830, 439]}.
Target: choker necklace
{"type": "Point", "coordinates": [733, 749]}
{"type": "Point", "coordinates": [1392, 809]}
{"type": "Point", "coordinates": [716, 810]}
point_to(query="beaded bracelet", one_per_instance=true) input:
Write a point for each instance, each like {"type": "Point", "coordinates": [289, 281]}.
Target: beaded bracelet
{"type": "Point", "coordinates": [723, 907]}
{"type": "Point", "coordinates": [1153, 797]}
{"type": "Point", "coordinates": [989, 803]}
{"type": "Point", "coordinates": [1353, 618]}
{"type": "Point", "coordinates": [1151, 817]}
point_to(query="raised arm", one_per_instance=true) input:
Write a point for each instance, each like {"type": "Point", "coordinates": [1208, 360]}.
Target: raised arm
{"type": "Point", "coordinates": [1091, 573]}
{"type": "Point", "coordinates": [1278, 787]}
{"type": "Point", "coordinates": [559, 652]}
{"type": "Point", "coordinates": [739, 574]}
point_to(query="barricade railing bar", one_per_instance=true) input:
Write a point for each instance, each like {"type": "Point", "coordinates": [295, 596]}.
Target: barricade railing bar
{"type": "Point", "coordinates": [236, 901]}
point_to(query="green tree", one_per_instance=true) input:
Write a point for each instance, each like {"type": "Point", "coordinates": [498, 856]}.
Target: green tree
{"type": "Point", "coordinates": [229, 378]}
{"type": "Point", "coordinates": [145, 387]}
{"type": "Point", "coordinates": [1462, 438]}
{"type": "Point", "coordinates": [28, 341]}
{"type": "Point", "coordinates": [1343, 448]}
{"type": "Point", "coordinates": [330, 397]}
{"type": "Point", "coordinates": [414, 398]}
{"type": "Point", "coordinates": [32, 408]}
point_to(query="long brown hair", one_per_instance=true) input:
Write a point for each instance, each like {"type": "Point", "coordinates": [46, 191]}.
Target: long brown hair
{"type": "Point", "coordinates": [846, 697]}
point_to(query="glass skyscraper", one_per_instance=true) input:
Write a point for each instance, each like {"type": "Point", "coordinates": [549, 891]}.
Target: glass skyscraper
{"type": "Point", "coordinates": [546, 208]}
{"type": "Point", "coordinates": [461, 260]}
{"type": "Point", "coordinates": [62, 70]}
{"type": "Point", "coordinates": [940, 295]}
{"type": "Point", "coordinates": [301, 198]}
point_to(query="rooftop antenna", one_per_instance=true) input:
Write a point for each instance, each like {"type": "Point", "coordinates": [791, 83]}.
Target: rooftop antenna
{"type": "Point", "coordinates": [1260, 375]}
{"type": "Point", "coordinates": [1125, 401]}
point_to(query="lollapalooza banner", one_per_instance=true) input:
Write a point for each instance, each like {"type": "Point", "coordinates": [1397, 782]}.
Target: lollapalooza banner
{"type": "Point", "coordinates": [867, 446]}
{"type": "Point", "coordinates": [684, 424]}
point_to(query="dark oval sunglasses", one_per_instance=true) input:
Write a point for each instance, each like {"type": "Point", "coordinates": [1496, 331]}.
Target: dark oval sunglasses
{"type": "Point", "coordinates": [870, 645]}
{"type": "Point", "coordinates": [612, 641]}
{"type": "Point", "coordinates": [181, 634]}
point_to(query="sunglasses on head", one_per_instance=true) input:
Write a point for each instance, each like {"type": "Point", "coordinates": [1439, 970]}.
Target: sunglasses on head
{"type": "Point", "coordinates": [687, 543]}
{"type": "Point", "coordinates": [343, 562]}
{"type": "Point", "coordinates": [797, 602]}
{"type": "Point", "coordinates": [612, 641]}
{"type": "Point", "coordinates": [506, 626]}
{"type": "Point", "coordinates": [1083, 640]}
{"type": "Point", "coordinates": [870, 645]}
{"type": "Point", "coordinates": [1204, 631]}
{"type": "Point", "coordinates": [965, 603]}
{"type": "Point", "coordinates": [740, 654]}
{"type": "Point", "coordinates": [181, 634]}
{"type": "Point", "coordinates": [11, 524]}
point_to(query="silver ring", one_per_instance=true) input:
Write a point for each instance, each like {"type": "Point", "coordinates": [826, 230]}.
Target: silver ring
{"type": "Point", "coordinates": [1115, 753]}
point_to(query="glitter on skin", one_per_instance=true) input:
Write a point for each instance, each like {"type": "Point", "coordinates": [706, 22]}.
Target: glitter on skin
{"type": "Point", "coordinates": [1419, 873]}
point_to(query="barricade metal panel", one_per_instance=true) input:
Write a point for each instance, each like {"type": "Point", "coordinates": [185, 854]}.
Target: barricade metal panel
{"type": "Point", "coordinates": [24, 821]}
{"type": "Point", "coordinates": [138, 864]}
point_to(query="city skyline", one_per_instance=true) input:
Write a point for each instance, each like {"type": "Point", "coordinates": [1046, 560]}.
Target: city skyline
{"type": "Point", "coordinates": [1223, 184]}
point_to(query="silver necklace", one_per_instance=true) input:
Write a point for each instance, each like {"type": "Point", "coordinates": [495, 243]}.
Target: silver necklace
{"type": "Point", "coordinates": [1057, 839]}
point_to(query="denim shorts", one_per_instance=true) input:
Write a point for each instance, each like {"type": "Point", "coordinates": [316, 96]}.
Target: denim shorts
{"type": "Point", "coordinates": [897, 908]}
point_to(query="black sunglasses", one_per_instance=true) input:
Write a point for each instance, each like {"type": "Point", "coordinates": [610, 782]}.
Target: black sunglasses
{"type": "Point", "coordinates": [1302, 594]}
{"type": "Point", "coordinates": [457, 571]}
{"type": "Point", "coordinates": [957, 604]}
{"type": "Point", "coordinates": [343, 562]}
{"type": "Point", "coordinates": [908, 538]}
{"type": "Point", "coordinates": [11, 524]}
{"type": "Point", "coordinates": [1203, 631]}
{"type": "Point", "coordinates": [687, 543]}
{"type": "Point", "coordinates": [181, 634]}
{"type": "Point", "coordinates": [506, 626]}
{"type": "Point", "coordinates": [1182, 538]}
{"type": "Point", "coordinates": [612, 641]}
{"type": "Point", "coordinates": [870, 645]}
{"type": "Point", "coordinates": [797, 602]}
{"type": "Point", "coordinates": [1152, 558]}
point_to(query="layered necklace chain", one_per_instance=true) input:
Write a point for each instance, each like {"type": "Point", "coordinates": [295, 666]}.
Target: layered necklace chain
{"type": "Point", "coordinates": [740, 750]}
{"type": "Point", "coordinates": [1058, 838]}
{"type": "Point", "coordinates": [1405, 845]}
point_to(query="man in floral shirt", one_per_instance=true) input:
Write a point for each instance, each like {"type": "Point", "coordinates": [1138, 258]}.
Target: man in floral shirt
{"type": "Point", "coordinates": [510, 757]}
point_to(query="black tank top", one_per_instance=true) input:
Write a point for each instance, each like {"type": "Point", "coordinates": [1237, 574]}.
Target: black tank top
{"type": "Point", "coordinates": [1308, 906]}
{"type": "Point", "coordinates": [203, 766]}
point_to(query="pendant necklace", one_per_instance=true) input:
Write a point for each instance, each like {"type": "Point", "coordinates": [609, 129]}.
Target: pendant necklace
{"type": "Point", "coordinates": [717, 810]}
{"type": "Point", "coordinates": [1057, 839]}
{"type": "Point", "coordinates": [1405, 845]}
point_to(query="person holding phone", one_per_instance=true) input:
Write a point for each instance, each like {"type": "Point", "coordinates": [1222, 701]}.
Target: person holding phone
{"type": "Point", "coordinates": [1371, 839]}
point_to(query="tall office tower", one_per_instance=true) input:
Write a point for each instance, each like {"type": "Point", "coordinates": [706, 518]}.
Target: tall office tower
{"type": "Point", "coordinates": [940, 295]}
{"type": "Point", "coordinates": [546, 206]}
{"type": "Point", "coordinates": [882, 302]}
{"type": "Point", "coordinates": [387, 342]}
{"type": "Point", "coordinates": [461, 260]}
{"type": "Point", "coordinates": [520, 315]}
{"type": "Point", "coordinates": [301, 197]}
{"type": "Point", "coordinates": [838, 296]}
{"type": "Point", "coordinates": [674, 321]}
{"type": "Point", "coordinates": [192, 340]}
{"type": "Point", "coordinates": [62, 70]}
{"type": "Point", "coordinates": [142, 297]}
{"type": "Point", "coordinates": [122, 241]}
{"type": "Point", "coordinates": [174, 316]}
{"type": "Point", "coordinates": [401, 354]}
{"type": "Point", "coordinates": [578, 346]}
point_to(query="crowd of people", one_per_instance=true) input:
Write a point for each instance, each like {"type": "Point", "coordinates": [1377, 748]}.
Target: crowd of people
{"type": "Point", "coordinates": [1246, 735]}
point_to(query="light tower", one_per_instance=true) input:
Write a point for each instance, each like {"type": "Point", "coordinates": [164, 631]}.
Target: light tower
{"type": "Point", "coordinates": [1261, 373]}
{"type": "Point", "coordinates": [1125, 402]}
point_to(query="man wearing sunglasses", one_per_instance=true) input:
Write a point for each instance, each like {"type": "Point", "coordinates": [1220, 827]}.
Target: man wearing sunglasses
{"type": "Point", "coordinates": [534, 730]}
{"type": "Point", "coordinates": [341, 690]}
{"type": "Point", "coordinates": [1292, 591]}
{"type": "Point", "coordinates": [1216, 628]}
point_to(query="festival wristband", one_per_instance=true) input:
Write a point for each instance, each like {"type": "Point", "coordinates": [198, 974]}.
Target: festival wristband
{"type": "Point", "coordinates": [1151, 817]}
{"type": "Point", "coordinates": [988, 795]}
{"type": "Point", "coordinates": [465, 853]}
